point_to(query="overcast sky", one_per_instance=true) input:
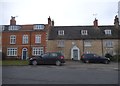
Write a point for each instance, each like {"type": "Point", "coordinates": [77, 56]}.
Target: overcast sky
{"type": "Point", "coordinates": [63, 12]}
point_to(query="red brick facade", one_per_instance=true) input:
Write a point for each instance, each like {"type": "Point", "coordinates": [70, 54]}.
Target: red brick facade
{"type": "Point", "coordinates": [24, 41]}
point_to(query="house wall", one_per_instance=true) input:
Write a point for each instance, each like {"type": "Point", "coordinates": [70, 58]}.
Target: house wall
{"type": "Point", "coordinates": [111, 50]}
{"type": "Point", "coordinates": [97, 47]}
{"type": "Point", "coordinates": [19, 45]}
{"type": "Point", "coordinates": [66, 50]}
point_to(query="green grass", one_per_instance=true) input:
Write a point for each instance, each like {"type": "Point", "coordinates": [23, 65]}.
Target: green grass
{"type": "Point", "coordinates": [14, 62]}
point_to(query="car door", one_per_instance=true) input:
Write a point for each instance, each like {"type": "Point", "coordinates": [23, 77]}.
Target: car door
{"type": "Point", "coordinates": [45, 58]}
{"type": "Point", "coordinates": [97, 58]}
{"type": "Point", "coordinates": [91, 57]}
{"type": "Point", "coordinates": [53, 58]}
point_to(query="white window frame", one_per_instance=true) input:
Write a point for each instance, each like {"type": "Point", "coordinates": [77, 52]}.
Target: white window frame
{"type": "Point", "coordinates": [11, 51]}
{"type": "Point", "coordinates": [37, 51]}
{"type": "Point", "coordinates": [13, 39]}
{"type": "Point", "coordinates": [84, 32]}
{"type": "Point", "coordinates": [61, 43]}
{"type": "Point", "coordinates": [37, 38]}
{"type": "Point", "coordinates": [38, 27]}
{"type": "Point", "coordinates": [13, 27]}
{"type": "Point", "coordinates": [87, 43]}
{"type": "Point", "coordinates": [107, 32]}
{"type": "Point", "coordinates": [25, 39]}
{"type": "Point", "coordinates": [61, 32]}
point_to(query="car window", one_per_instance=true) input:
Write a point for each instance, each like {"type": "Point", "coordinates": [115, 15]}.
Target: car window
{"type": "Point", "coordinates": [53, 54]}
{"type": "Point", "coordinates": [45, 55]}
{"type": "Point", "coordinates": [95, 55]}
{"type": "Point", "coordinates": [90, 55]}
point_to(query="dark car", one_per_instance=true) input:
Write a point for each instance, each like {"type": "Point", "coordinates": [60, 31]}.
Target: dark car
{"type": "Point", "coordinates": [48, 58]}
{"type": "Point", "coordinates": [93, 58]}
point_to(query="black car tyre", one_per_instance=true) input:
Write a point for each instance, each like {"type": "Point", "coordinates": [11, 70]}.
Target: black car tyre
{"type": "Point", "coordinates": [86, 61]}
{"type": "Point", "coordinates": [106, 62]}
{"type": "Point", "coordinates": [58, 63]}
{"type": "Point", "coordinates": [34, 62]}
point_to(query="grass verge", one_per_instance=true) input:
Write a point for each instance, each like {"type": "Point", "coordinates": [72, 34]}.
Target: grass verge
{"type": "Point", "coordinates": [14, 62]}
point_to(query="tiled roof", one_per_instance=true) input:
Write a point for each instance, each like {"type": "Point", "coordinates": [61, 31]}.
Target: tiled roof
{"type": "Point", "coordinates": [74, 32]}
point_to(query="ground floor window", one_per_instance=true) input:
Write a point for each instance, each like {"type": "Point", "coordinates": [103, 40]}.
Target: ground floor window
{"type": "Point", "coordinates": [37, 51]}
{"type": "Point", "coordinates": [12, 52]}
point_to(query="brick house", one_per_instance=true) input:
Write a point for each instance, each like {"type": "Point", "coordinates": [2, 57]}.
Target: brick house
{"type": "Point", "coordinates": [73, 41]}
{"type": "Point", "coordinates": [24, 41]}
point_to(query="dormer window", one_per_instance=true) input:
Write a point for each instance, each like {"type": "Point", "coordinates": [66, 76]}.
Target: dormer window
{"type": "Point", "coordinates": [107, 32]}
{"type": "Point", "coordinates": [61, 32]}
{"type": "Point", "coordinates": [13, 27]}
{"type": "Point", "coordinates": [84, 32]}
{"type": "Point", "coordinates": [2, 27]}
{"type": "Point", "coordinates": [38, 27]}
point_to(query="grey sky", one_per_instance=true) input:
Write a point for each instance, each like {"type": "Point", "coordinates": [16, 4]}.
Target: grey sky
{"type": "Point", "coordinates": [63, 12]}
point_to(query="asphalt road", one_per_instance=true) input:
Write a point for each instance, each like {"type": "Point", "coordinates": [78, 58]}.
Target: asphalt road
{"type": "Point", "coordinates": [71, 73]}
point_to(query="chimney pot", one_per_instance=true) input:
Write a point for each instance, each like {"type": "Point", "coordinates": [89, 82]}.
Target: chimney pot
{"type": "Point", "coordinates": [49, 20]}
{"type": "Point", "coordinates": [52, 22]}
{"type": "Point", "coordinates": [116, 21]}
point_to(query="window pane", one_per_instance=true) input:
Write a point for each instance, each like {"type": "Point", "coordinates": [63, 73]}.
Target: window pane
{"type": "Point", "coordinates": [37, 51]}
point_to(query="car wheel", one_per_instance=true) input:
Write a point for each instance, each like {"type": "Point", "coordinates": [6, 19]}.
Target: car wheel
{"type": "Point", "coordinates": [106, 61]}
{"type": "Point", "coordinates": [58, 63]}
{"type": "Point", "coordinates": [34, 62]}
{"type": "Point", "coordinates": [86, 61]}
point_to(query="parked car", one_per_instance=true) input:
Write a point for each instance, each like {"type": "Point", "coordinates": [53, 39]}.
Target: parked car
{"type": "Point", "coordinates": [93, 58]}
{"type": "Point", "coordinates": [48, 58]}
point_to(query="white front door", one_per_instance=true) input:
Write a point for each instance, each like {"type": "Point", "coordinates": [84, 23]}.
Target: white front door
{"type": "Point", "coordinates": [75, 53]}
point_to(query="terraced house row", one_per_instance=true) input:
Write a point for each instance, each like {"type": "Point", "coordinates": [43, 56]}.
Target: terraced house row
{"type": "Point", "coordinates": [24, 41]}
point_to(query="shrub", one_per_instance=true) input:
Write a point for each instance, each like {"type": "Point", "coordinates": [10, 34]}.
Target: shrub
{"type": "Point", "coordinates": [115, 58]}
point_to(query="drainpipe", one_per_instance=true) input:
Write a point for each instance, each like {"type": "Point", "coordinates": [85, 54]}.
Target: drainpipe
{"type": "Point", "coordinates": [83, 45]}
{"type": "Point", "coordinates": [30, 46]}
{"type": "Point", "coordinates": [102, 47]}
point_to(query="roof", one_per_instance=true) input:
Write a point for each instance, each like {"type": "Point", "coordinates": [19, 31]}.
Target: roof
{"type": "Point", "coordinates": [74, 32]}
{"type": "Point", "coordinates": [28, 27]}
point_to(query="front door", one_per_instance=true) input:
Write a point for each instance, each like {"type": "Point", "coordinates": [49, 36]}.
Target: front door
{"type": "Point", "coordinates": [24, 53]}
{"type": "Point", "coordinates": [75, 54]}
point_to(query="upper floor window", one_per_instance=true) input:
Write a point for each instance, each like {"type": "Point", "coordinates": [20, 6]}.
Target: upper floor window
{"type": "Point", "coordinates": [108, 44]}
{"type": "Point", "coordinates": [12, 39]}
{"type": "Point", "coordinates": [107, 32]}
{"type": "Point", "coordinates": [13, 27]}
{"type": "Point", "coordinates": [84, 32]}
{"type": "Point", "coordinates": [38, 27]}
{"type": "Point", "coordinates": [37, 38]}
{"type": "Point", "coordinates": [60, 32]}
{"type": "Point", "coordinates": [25, 39]}
{"type": "Point", "coordinates": [61, 43]}
{"type": "Point", "coordinates": [87, 43]}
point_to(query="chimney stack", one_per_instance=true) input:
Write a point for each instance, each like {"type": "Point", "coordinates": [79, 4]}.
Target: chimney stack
{"type": "Point", "coordinates": [116, 22]}
{"type": "Point", "coordinates": [95, 23]}
{"type": "Point", "coordinates": [12, 21]}
{"type": "Point", "coordinates": [49, 20]}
